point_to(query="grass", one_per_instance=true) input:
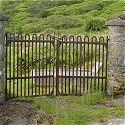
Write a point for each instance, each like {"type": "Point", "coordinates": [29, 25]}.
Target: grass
{"type": "Point", "coordinates": [24, 88]}
{"type": "Point", "coordinates": [75, 110]}
{"type": "Point", "coordinates": [63, 16]}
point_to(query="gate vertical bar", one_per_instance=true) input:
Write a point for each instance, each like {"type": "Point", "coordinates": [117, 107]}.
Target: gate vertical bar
{"type": "Point", "coordinates": [87, 63]}
{"type": "Point", "coordinates": [10, 63]}
{"type": "Point", "coordinates": [57, 67]}
{"type": "Point", "coordinates": [43, 64]}
{"type": "Point", "coordinates": [25, 67]}
{"type": "Point", "coordinates": [62, 54]}
{"type": "Point", "coordinates": [103, 61]}
{"type": "Point", "coordinates": [73, 66]}
{"type": "Point", "coordinates": [91, 64]}
{"type": "Point", "coordinates": [36, 63]}
{"type": "Point", "coordinates": [107, 40]}
{"type": "Point", "coordinates": [39, 60]}
{"type": "Point", "coordinates": [28, 68]}
{"type": "Point", "coordinates": [6, 63]}
{"type": "Point", "coordinates": [50, 56]}
{"type": "Point", "coordinates": [32, 66]}
{"type": "Point", "coordinates": [46, 65]}
{"type": "Point", "coordinates": [80, 62]}
{"type": "Point", "coordinates": [76, 70]}
{"type": "Point", "coordinates": [69, 62]}
{"type": "Point", "coordinates": [21, 66]}
{"type": "Point", "coordinates": [99, 64]}
{"type": "Point", "coordinates": [17, 65]}
{"type": "Point", "coordinates": [95, 63]}
{"type": "Point", "coordinates": [13, 38]}
{"type": "Point", "coordinates": [65, 39]}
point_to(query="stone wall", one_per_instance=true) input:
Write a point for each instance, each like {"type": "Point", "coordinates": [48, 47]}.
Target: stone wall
{"type": "Point", "coordinates": [116, 57]}
{"type": "Point", "coordinates": [2, 47]}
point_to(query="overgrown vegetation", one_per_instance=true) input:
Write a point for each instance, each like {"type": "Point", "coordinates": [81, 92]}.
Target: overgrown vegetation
{"type": "Point", "coordinates": [64, 16]}
{"type": "Point", "coordinates": [72, 110]}
{"type": "Point", "coordinates": [96, 24]}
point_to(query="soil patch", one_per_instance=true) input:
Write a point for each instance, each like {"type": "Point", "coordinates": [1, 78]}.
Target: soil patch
{"type": "Point", "coordinates": [21, 113]}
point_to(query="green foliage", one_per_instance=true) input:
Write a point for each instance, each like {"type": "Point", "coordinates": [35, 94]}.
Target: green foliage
{"type": "Point", "coordinates": [89, 7]}
{"type": "Point", "coordinates": [67, 16]}
{"type": "Point", "coordinates": [62, 22]}
{"type": "Point", "coordinates": [93, 13]}
{"type": "Point", "coordinates": [7, 7]}
{"type": "Point", "coordinates": [43, 13]}
{"type": "Point", "coordinates": [18, 28]}
{"type": "Point", "coordinates": [114, 9]}
{"type": "Point", "coordinates": [90, 99]}
{"type": "Point", "coordinates": [20, 16]}
{"type": "Point", "coordinates": [32, 28]}
{"type": "Point", "coordinates": [48, 31]}
{"type": "Point", "coordinates": [96, 24]}
{"type": "Point", "coordinates": [32, 20]}
{"type": "Point", "coordinates": [36, 8]}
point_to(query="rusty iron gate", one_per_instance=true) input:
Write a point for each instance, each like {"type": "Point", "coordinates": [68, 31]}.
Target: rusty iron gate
{"type": "Point", "coordinates": [44, 65]}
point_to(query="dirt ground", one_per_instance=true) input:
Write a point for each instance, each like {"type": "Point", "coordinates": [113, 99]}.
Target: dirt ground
{"type": "Point", "coordinates": [118, 121]}
{"type": "Point", "coordinates": [21, 113]}
{"type": "Point", "coordinates": [24, 113]}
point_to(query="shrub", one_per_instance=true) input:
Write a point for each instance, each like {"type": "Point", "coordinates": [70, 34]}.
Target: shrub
{"type": "Point", "coordinates": [99, 6]}
{"type": "Point", "coordinates": [9, 28]}
{"type": "Point", "coordinates": [93, 13]}
{"type": "Point", "coordinates": [67, 2]}
{"type": "Point", "coordinates": [62, 10]}
{"type": "Point", "coordinates": [32, 28]}
{"type": "Point", "coordinates": [113, 10]}
{"type": "Point", "coordinates": [86, 7]}
{"type": "Point", "coordinates": [9, 7]}
{"type": "Point", "coordinates": [43, 13]}
{"type": "Point", "coordinates": [20, 16]}
{"type": "Point", "coordinates": [33, 9]}
{"type": "Point", "coordinates": [48, 31]}
{"type": "Point", "coordinates": [18, 28]}
{"type": "Point", "coordinates": [30, 20]}
{"type": "Point", "coordinates": [96, 24]}
{"type": "Point", "coordinates": [62, 22]}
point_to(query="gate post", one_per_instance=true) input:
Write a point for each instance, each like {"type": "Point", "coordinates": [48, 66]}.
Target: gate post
{"type": "Point", "coordinates": [116, 57]}
{"type": "Point", "coordinates": [3, 18]}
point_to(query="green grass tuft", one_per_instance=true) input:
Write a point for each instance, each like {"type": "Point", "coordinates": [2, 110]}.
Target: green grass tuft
{"type": "Point", "coordinates": [78, 110]}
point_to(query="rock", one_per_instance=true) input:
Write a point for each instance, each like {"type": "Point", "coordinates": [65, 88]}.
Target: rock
{"type": "Point", "coordinates": [3, 17]}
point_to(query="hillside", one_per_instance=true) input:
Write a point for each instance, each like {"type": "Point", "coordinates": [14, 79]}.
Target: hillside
{"type": "Point", "coordinates": [63, 16]}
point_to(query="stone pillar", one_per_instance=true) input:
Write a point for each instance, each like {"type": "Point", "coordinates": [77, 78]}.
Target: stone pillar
{"type": "Point", "coordinates": [116, 57]}
{"type": "Point", "coordinates": [3, 18]}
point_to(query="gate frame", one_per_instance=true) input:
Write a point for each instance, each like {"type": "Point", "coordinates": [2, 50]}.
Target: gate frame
{"type": "Point", "coordinates": [56, 44]}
